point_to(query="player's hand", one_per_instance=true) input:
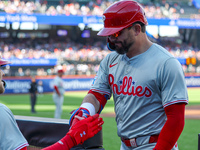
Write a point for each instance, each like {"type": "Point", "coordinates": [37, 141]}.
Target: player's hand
{"type": "Point", "coordinates": [85, 129]}
{"type": "Point", "coordinates": [84, 114]}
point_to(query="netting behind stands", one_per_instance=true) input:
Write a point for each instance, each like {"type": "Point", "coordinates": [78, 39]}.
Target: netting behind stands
{"type": "Point", "coordinates": [42, 132]}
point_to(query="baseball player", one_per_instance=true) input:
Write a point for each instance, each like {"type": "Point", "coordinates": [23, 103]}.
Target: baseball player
{"type": "Point", "coordinates": [33, 93]}
{"type": "Point", "coordinates": [58, 94]}
{"type": "Point", "coordinates": [12, 139]}
{"type": "Point", "coordinates": [147, 83]}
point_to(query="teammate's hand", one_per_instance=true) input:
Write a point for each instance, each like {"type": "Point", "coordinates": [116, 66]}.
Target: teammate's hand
{"type": "Point", "coordinates": [84, 113]}
{"type": "Point", "coordinates": [85, 129]}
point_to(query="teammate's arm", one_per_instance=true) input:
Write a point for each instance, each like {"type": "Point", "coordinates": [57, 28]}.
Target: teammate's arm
{"type": "Point", "coordinates": [90, 126]}
{"type": "Point", "coordinates": [172, 128]}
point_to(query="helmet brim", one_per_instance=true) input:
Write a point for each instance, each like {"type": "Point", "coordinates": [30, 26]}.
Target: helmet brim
{"type": "Point", "coordinates": [108, 31]}
{"type": "Point", "coordinates": [60, 71]}
{"type": "Point", "coordinates": [4, 62]}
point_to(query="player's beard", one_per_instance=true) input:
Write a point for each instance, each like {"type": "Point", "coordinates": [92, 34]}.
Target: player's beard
{"type": "Point", "coordinates": [2, 89]}
{"type": "Point", "coordinates": [123, 48]}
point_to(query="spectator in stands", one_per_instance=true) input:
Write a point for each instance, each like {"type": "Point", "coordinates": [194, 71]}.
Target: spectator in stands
{"type": "Point", "coordinates": [154, 9]}
{"type": "Point", "coordinates": [11, 137]}
{"type": "Point", "coordinates": [33, 94]}
{"type": "Point", "coordinates": [20, 72]}
{"type": "Point", "coordinates": [80, 55]}
{"type": "Point", "coordinates": [28, 72]}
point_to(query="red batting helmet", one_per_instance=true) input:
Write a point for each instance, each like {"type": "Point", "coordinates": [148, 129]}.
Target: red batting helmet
{"type": "Point", "coordinates": [3, 62]}
{"type": "Point", "coordinates": [120, 15]}
{"type": "Point", "coordinates": [60, 70]}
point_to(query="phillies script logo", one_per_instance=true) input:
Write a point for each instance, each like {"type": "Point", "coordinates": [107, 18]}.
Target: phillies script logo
{"type": "Point", "coordinates": [131, 90]}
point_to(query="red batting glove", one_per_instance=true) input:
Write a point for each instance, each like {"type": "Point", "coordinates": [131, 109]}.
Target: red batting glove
{"type": "Point", "coordinates": [75, 120]}
{"type": "Point", "coordinates": [85, 129]}
{"type": "Point", "coordinates": [84, 113]}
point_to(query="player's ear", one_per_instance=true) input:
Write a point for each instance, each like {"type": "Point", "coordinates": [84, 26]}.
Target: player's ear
{"type": "Point", "coordinates": [4, 83]}
{"type": "Point", "coordinates": [137, 28]}
{"type": "Point", "coordinates": [110, 45]}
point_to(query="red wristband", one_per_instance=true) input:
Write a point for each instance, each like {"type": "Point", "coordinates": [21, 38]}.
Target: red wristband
{"type": "Point", "coordinates": [102, 98]}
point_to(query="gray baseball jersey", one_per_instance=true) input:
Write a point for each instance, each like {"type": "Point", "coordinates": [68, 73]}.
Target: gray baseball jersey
{"type": "Point", "coordinates": [11, 137]}
{"type": "Point", "coordinates": [60, 84]}
{"type": "Point", "coordinates": [142, 87]}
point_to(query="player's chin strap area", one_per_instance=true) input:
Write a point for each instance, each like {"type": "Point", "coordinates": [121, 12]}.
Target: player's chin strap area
{"type": "Point", "coordinates": [110, 45]}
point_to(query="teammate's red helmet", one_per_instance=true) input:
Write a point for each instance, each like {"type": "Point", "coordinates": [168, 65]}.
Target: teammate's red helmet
{"type": "Point", "coordinates": [3, 62]}
{"type": "Point", "coordinates": [120, 15]}
{"type": "Point", "coordinates": [60, 70]}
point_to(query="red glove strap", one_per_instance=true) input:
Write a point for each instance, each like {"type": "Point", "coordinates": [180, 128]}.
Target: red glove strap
{"type": "Point", "coordinates": [172, 128]}
{"type": "Point", "coordinates": [75, 120]}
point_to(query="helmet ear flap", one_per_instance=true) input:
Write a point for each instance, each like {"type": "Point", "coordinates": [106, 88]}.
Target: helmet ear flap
{"type": "Point", "coordinates": [4, 83]}
{"type": "Point", "coordinates": [110, 45]}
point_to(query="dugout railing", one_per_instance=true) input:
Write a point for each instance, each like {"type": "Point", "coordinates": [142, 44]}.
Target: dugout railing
{"type": "Point", "coordinates": [42, 132]}
{"type": "Point", "coordinates": [199, 141]}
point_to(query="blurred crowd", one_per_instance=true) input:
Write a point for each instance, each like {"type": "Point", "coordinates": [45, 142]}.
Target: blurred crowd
{"type": "Point", "coordinates": [160, 9]}
{"type": "Point", "coordinates": [80, 59]}
{"type": "Point", "coordinates": [84, 59]}
{"type": "Point", "coordinates": [75, 57]}
{"type": "Point", "coordinates": [188, 52]}
{"type": "Point", "coordinates": [52, 49]}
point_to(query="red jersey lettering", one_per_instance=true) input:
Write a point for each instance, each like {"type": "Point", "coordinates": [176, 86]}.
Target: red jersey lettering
{"type": "Point", "coordinates": [127, 87]}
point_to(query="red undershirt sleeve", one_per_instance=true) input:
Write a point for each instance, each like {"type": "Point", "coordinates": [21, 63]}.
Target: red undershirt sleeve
{"type": "Point", "coordinates": [172, 128]}
{"type": "Point", "coordinates": [66, 143]}
{"type": "Point", "coordinates": [56, 88]}
{"type": "Point", "coordinates": [24, 148]}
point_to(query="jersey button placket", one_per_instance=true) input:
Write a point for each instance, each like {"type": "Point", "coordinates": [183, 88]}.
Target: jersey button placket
{"type": "Point", "coordinates": [127, 70]}
{"type": "Point", "coordinates": [121, 110]}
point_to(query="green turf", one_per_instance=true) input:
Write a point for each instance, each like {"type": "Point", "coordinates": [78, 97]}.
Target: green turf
{"type": "Point", "coordinates": [20, 105]}
{"type": "Point", "coordinates": [194, 96]}
{"type": "Point", "coordinates": [189, 137]}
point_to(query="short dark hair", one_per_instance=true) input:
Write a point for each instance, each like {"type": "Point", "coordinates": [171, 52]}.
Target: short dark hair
{"type": "Point", "coordinates": [143, 27]}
